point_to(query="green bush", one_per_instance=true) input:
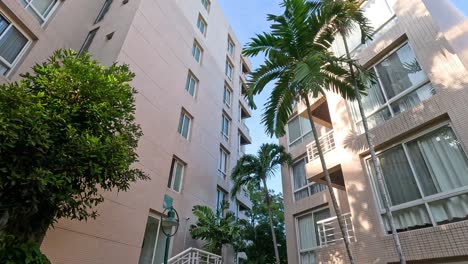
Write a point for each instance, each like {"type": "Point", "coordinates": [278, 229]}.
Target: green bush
{"type": "Point", "coordinates": [13, 251]}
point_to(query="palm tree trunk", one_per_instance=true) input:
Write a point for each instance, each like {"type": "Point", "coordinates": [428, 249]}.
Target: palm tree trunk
{"type": "Point", "coordinates": [375, 164]}
{"type": "Point", "coordinates": [270, 216]}
{"type": "Point", "coordinates": [329, 184]}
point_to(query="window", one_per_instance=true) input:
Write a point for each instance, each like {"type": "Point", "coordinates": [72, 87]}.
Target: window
{"type": "Point", "coordinates": [308, 236]}
{"type": "Point", "coordinates": [184, 124]}
{"type": "Point", "coordinates": [227, 96]}
{"type": "Point", "coordinates": [105, 8]}
{"type": "Point", "coordinates": [221, 198]}
{"type": "Point", "coordinates": [88, 41]}
{"type": "Point", "coordinates": [201, 25]}
{"type": "Point", "coordinates": [230, 47]}
{"type": "Point", "coordinates": [177, 175]}
{"type": "Point", "coordinates": [206, 4]}
{"type": "Point", "coordinates": [426, 179]}
{"type": "Point", "coordinates": [402, 84]}
{"type": "Point", "coordinates": [299, 131]}
{"type": "Point", "coordinates": [196, 51]}
{"type": "Point", "coordinates": [12, 45]}
{"type": "Point", "coordinates": [229, 70]}
{"type": "Point", "coordinates": [40, 9]}
{"type": "Point", "coordinates": [154, 241]}
{"type": "Point", "coordinates": [223, 162]}
{"type": "Point", "coordinates": [225, 124]}
{"type": "Point", "coordinates": [302, 188]}
{"type": "Point", "coordinates": [191, 84]}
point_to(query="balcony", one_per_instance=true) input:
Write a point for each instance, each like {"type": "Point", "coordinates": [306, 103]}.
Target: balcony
{"type": "Point", "coordinates": [327, 142]}
{"type": "Point", "coordinates": [320, 111]}
{"type": "Point", "coordinates": [329, 230]}
{"type": "Point", "coordinates": [244, 134]}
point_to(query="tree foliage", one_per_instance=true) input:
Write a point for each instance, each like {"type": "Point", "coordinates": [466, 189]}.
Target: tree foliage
{"type": "Point", "coordinates": [217, 229]}
{"type": "Point", "coordinates": [67, 133]}
{"type": "Point", "coordinates": [15, 251]}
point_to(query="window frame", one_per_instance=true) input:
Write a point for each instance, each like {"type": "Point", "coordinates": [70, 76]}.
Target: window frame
{"type": "Point", "coordinates": [219, 191]}
{"type": "Point", "coordinates": [89, 39]}
{"type": "Point", "coordinates": [388, 102]}
{"type": "Point", "coordinates": [11, 66]}
{"type": "Point", "coordinates": [225, 161]}
{"type": "Point", "coordinates": [230, 66]}
{"type": "Point", "coordinates": [196, 46]}
{"type": "Point", "coordinates": [307, 186]}
{"type": "Point", "coordinates": [104, 10]}
{"type": "Point", "coordinates": [424, 200]}
{"type": "Point", "coordinates": [296, 220]}
{"type": "Point", "coordinates": [190, 77]}
{"type": "Point", "coordinates": [206, 4]}
{"type": "Point", "coordinates": [227, 136]}
{"type": "Point", "coordinates": [229, 90]}
{"type": "Point", "coordinates": [231, 47]}
{"type": "Point", "coordinates": [184, 115]}
{"type": "Point", "coordinates": [176, 161]}
{"type": "Point", "coordinates": [202, 21]}
{"type": "Point", "coordinates": [51, 10]}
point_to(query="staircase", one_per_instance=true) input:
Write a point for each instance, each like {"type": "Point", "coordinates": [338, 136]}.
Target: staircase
{"type": "Point", "coordinates": [195, 256]}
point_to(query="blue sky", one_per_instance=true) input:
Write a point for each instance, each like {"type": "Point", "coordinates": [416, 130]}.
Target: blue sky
{"type": "Point", "coordinates": [247, 18]}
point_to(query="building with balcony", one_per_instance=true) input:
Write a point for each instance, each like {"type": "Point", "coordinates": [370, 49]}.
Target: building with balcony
{"type": "Point", "coordinates": [417, 113]}
{"type": "Point", "coordinates": [190, 104]}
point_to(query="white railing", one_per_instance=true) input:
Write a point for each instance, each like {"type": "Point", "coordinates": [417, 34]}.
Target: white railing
{"type": "Point", "coordinates": [195, 256]}
{"type": "Point", "coordinates": [327, 142]}
{"type": "Point", "coordinates": [245, 127]}
{"type": "Point", "coordinates": [329, 230]}
{"type": "Point", "coordinates": [245, 193]}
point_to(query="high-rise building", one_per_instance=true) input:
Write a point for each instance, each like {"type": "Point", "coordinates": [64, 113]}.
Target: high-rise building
{"type": "Point", "coordinates": [417, 113]}
{"type": "Point", "coordinates": [190, 77]}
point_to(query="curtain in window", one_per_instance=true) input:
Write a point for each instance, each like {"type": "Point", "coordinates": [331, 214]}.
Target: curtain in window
{"type": "Point", "coordinates": [3, 24]}
{"type": "Point", "coordinates": [299, 174]}
{"type": "Point", "coordinates": [294, 130]}
{"type": "Point", "coordinates": [413, 99]}
{"type": "Point", "coordinates": [319, 216]}
{"type": "Point", "coordinates": [399, 179]}
{"type": "Point", "coordinates": [442, 166]}
{"type": "Point", "coordinates": [177, 176]}
{"type": "Point", "coordinates": [306, 233]}
{"type": "Point", "coordinates": [11, 44]}
{"type": "Point", "coordinates": [411, 218]}
{"type": "Point", "coordinates": [308, 258]}
{"type": "Point", "coordinates": [371, 102]}
{"type": "Point", "coordinates": [43, 6]}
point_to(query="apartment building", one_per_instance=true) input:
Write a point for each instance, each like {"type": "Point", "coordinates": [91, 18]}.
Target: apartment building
{"type": "Point", "coordinates": [417, 113]}
{"type": "Point", "coordinates": [190, 77]}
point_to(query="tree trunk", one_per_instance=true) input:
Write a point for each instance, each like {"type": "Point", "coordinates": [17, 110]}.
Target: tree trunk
{"type": "Point", "coordinates": [270, 216]}
{"type": "Point", "coordinates": [329, 184]}
{"type": "Point", "coordinates": [375, 164]}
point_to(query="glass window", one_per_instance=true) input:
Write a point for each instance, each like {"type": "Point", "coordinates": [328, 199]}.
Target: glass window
{"type": "Point", "coordinates": [302, 188]}
{"type": "Point", "coordinates": [299, 130]}
{"type": "Point", "coordinates": [223, 162]}
{"type": "Point", "coordinates": [196, 51]}
{"type": "Point", "coordinates": [221, 198]}
{"type": "Point", "coordinates": [105, 8]}
{"type": "Point", "coordinates": [12, 44]}
{"type": "Point", "coordinates": [402, 84]}
{"type": "Point", "coordinates": [39, 9]}
{"type": "Point", "coordinates": [191, 84]}
{"type": "Point", "coordinates": [227, 96]}
{"type": "Point", "coordinates": [184, 124]}
{"type": "Point", "coordinates": [230, 47]}
{"type": "Point", "coordinates": [416, 170]}
{"type": "Point", "coordinates": [177, 175]}
{"type": "Point", "coordinates": [229, 70]}
{"type": "Point", "coordinates": [88, 41]}
{"type": "Point", "coordinates": [201, 25]}
{"type": "Point", "coordinates": [309, 238]}
{"type": "Point", "coordinates": [225, 124]}
{"type": "Point", "coordinates": [206, 4]}
{"type": "Point", "coordinates": [154, 241]}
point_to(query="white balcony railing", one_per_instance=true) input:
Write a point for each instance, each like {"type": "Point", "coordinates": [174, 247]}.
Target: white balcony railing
{"type": "Point", "coordinates": [329, 230]}
{"type": "Point", "coordinates": [245, 127]}
{"type": "Point", "coordinates": [195, 256]}
{"type": "Point", "coordinates": [245, 193]}
{"type": "Point", "coordinates": [327, 142]}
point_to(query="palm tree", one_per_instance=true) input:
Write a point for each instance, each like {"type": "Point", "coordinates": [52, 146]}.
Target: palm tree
{"type": "Point", "coordinates": [217, 229]}
{"type": "Point", "coordinates": [299, 61]}
{"type": "Point", "coordinates": [253, 170]}
{"type": "Point", "coordinates": [347, 18]}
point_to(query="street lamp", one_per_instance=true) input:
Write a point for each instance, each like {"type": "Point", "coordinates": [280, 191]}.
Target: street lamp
{"type": "Point", "coordinates": [172, 220]}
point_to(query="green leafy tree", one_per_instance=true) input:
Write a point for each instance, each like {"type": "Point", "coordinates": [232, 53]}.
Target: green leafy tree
{"type": "Point", "coordinates": [299, 62]}
{"type": "Point", "coordinates": [253, 171]}
{"type": "Point", "coordinates": [217, 229]}
{"type": "Point", "coordinates": [347, 17]}
{"type": "Point", "coordinates": [258, 230]}
{"type": "Point", "coordinates": [67, 134]}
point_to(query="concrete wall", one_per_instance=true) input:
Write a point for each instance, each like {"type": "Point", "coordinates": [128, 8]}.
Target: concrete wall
{"type": "Point", "coordinates": [155, 38]}
{"type": "Point", "coordinates": [443, 63]}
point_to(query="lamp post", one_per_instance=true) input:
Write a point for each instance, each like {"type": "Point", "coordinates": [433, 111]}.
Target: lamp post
{"type": "Point", "coordinates": [172, 220]}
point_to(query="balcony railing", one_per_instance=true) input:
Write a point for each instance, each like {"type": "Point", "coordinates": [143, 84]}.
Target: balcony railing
{"type": "Point", "coordinates": [245, 127]}
{"type": "Point", "coordinates": [327, 142]}
{"type": "Point", "coordinates": [330, 233]}
{"type": "Point", "coordinates": [245, 193]}
{"type": "Point", "coordinates": [194, 255]}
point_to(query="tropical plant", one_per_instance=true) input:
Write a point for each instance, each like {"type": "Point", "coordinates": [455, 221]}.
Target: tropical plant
{"type": "Point", "coordinates": [258, 230]}
{"type": "Point", "coordinates": [217, 229]}
{"type": "Point", "coordinates": [348, 19]}
{"type": "Point", "coordinates": [14, 251]}
{"type": "Point", "coordinates": [253, 171]}
{"type": "Point", "coordinates": [299, 62]}
{"type": "Point", "coordinates": [67, 133]}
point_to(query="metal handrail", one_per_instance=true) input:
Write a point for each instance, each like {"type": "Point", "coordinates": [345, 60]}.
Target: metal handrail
{"type": "Point", "coordinates": [327, 142]}
{"type": "Point", "coordinates": [329, 232]}
{"type": "Point", "coordinates": [195, 255]}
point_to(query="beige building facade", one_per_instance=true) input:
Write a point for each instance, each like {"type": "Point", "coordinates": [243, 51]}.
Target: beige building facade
{"type": "Point", "coordinates": [190, 79]}
{"type": "Point", "coordinates": [418, 117]}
